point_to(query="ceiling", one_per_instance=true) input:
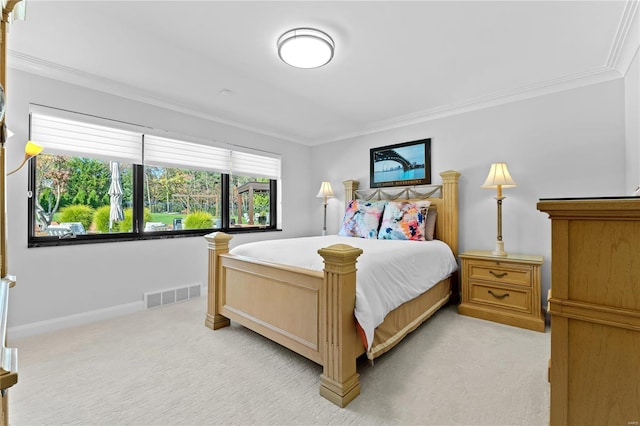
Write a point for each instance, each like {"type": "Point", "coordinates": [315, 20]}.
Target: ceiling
{"type": "Point", "coordinates": [396, 63]}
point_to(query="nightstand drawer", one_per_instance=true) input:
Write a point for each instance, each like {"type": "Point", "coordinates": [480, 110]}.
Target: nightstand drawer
{"type": "Point", "coordinates": [500, 273]}
{"type": "Point", "coordinates": [500, 297]}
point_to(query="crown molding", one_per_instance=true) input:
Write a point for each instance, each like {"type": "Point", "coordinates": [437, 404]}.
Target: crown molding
{"type": "Point", "coordinates": [48, 69]}
{"type": "Point", "coordinates": [625, 46]}
{"type": "Point", "coordinates": [626, 42]}
{"type": "Point", "coordinates": [568, 82]}
{"type": "Point", "coordinates": [618, 59]}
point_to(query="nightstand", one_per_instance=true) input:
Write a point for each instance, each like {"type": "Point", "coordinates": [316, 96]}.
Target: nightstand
{"type": "Point", "coordinates": [503, 289]}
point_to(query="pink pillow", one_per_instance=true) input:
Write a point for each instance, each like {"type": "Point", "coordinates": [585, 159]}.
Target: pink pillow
{"type": "Point", "coordinates": [403, 220]}
{"type": "Point", "coordinates": [362, 219]}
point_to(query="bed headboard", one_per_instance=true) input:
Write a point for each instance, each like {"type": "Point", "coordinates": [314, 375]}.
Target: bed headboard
{"type": "Point", "coordinates": [444, 197]}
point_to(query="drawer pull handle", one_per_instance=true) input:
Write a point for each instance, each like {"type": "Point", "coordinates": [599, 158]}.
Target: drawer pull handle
{"type": "Point", "coordinates": [499, 275]}
{"type": "Point", "coordinates": [498, 296]}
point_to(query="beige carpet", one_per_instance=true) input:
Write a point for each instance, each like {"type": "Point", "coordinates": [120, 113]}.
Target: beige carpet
{"type": "Point", "coordinates": [164, 367]}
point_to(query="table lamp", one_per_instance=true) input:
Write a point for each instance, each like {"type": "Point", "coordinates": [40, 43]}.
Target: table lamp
{"type": "Point", "coordinates": [325, 192]}
{"type": "Point", "coordinates": [499, 178]}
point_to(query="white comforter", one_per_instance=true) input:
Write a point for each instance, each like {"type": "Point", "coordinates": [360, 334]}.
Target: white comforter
{"type": "Point", "coordinates": [389, 273]}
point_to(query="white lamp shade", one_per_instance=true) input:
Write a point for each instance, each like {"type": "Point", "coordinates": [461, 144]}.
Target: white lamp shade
{"type": "Point", "coordinates": [325, 190]}
{"type": "Point", "coordinates": [305, 48]}
{"type": "Point", "coordinates": [499, 176]}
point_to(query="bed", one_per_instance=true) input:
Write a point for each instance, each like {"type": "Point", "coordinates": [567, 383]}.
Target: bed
{"type": "Point", "coordinates": [311, 311]}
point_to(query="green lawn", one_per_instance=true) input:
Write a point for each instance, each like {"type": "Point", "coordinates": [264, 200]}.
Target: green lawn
{"type": "Point", "coordinates": [166, 218]}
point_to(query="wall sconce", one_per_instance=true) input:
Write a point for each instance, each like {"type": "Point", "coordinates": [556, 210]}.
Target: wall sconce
{"type": "Point", "coordinates": [499, 178]}
{"type": "Point", "coordinates": [31, 149]}
{"type": "Point", "coordinates": [325, 192]}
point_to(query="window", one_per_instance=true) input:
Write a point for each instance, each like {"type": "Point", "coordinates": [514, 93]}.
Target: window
{"type": "Point", "coordinates": [73, 196]}
{"type": "Point", "coordinates": [250, 202]}
{"type": "Point", "coordinates": [180, 199]}
{"type": "Point", "coordinates": [98, 182]}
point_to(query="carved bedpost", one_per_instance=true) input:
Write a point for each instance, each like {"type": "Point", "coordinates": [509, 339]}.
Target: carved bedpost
{"type": "Point", "coordinates": [350, 188]}
{"type": "Point", "coordinates": [339, 380]}
{"type": "Point", "coordinates": [450, 200]}
{"type": "Point", "coordinates": [450, 224]}
{"type": "Point", "coordinates": [218, 244]}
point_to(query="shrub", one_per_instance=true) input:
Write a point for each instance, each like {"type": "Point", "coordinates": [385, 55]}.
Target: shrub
{"type": "Point", "coordinates": [127, 223]}
{"type": "Point", "coordinates": [198, 220]}
{"type": "Point", "coordinates": [77, 213]}
{"type": "Point", "coordinates": [101, 219]}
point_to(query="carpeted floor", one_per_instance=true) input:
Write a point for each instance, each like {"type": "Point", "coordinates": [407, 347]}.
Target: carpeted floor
{"type": "Point", "coordinates": [164, 367]}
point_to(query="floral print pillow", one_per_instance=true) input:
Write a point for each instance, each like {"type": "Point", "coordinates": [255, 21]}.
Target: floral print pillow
{"type": "Point", "coordinates": [403, 220]}
{"type": "Point", "coordinates": [362, 219]}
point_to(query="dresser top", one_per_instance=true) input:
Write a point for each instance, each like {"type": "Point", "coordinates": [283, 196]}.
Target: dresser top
{"type": "Point", "coordinates": [601, 208]}
{"type": "Point", "coordinates": [609, 198]}
{"type": "Point", "coordinates": [486, 254]}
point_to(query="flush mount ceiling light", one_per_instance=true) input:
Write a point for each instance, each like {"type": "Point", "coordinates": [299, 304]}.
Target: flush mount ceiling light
{"type": "Point", "coordinates": [305, 48]}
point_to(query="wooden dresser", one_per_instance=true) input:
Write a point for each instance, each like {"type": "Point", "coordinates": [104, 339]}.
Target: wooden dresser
{"type": "Point", "coordinates": [504, 289]}
{"type": "Point", "coordinates": [595, 310]}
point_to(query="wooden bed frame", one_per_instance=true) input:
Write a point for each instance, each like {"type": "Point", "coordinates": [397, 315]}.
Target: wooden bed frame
{"type": "Point", "coordinates": [312, 312]}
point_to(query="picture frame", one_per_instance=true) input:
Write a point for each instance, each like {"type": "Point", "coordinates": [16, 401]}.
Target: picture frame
{"type": "Point", "coordinates": [402, 164]}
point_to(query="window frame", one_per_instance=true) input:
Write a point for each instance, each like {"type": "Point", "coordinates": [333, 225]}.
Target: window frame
{"type": "Point", "coordinates": [138, 232]}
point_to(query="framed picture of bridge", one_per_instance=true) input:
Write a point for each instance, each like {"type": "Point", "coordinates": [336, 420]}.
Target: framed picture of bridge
{"type": "Point", "coordinates": [402, 164]}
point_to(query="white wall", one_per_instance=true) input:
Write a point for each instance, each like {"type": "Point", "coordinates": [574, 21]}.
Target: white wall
{"type": "Point", "coordinates": [56, 282]}
{"type": "Point", "coordinates": [567, 144]}
{"type": "Point", "coordinates": [632, 123]}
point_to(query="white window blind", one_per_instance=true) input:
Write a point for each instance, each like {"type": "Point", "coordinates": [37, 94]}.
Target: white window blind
{"type": "Point", "coordinates": [174, 153]}
{"type": "Point", "coordinates": [59, 132]}
{"type": "Point", "coordinates": [246, 164]}
{"type": "Point", "coordinates": [69, 137]}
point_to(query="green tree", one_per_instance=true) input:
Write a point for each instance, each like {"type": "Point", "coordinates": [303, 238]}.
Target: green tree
{"type": "Point", "coordinates": [126, 179]}
{"type": "Point", "coordinates": [197, 190]}
{"type": "Point", "coordinates": [52, 175]}
{"type": "Point", "coordinates": [176, 187]}
{"type": "Point", "coordinates": [152, 184]}
{"type": "Point", "coordinates": [191, 189]}
{"type": "Point", "coordinates": [88, 182]}
{"type": "Point", "coordinates": [261, 203]}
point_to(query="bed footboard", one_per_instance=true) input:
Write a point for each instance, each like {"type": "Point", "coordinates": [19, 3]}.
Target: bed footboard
{"type": "Point", "coordinates": [309, 312]}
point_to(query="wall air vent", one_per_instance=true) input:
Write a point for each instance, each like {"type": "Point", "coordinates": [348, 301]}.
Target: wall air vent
{"type": "Point", "coordinates": [155, 299]}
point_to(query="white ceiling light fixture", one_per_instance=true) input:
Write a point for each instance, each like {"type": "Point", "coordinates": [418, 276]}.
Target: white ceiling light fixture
{"type": "Point", "coordinates": [305, 48]}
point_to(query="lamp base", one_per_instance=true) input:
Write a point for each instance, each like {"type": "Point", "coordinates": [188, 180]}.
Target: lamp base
{"type": "Point", "coordinates": [499, 251]}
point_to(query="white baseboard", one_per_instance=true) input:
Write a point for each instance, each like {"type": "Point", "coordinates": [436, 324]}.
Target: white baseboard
{"type": "Point", "coordinates": [55, 324]}
{"type": "Point", "coordinates": [75, 320]}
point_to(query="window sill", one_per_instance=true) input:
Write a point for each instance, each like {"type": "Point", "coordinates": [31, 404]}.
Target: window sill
{"type": "Point", "coordinates": [35, 242]}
